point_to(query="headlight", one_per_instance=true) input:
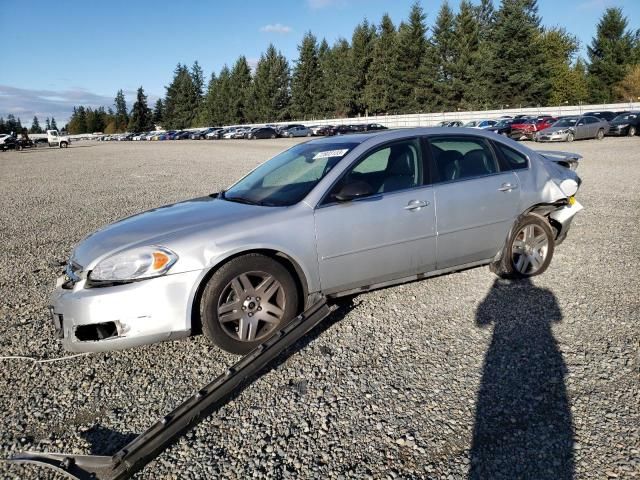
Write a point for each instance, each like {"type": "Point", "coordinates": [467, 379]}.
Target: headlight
{"type": "Point", "coordinates": [135, 264]}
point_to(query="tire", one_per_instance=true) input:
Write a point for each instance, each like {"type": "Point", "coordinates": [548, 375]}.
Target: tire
{"type": "Point", "coordinates": [600, 134]}
{"type": "Point", "coordinates": [64, 144]}
{"type": "Point", "coordinates": [570, 137]}
{"type": "Point", "coordinates": [309, 134]}
{"type": "Point", "coordinates": [632, 131]}
{"type": "Point", "coordinates": [504, 134]}
{"type": "Point", "coordinates": [247, 276]}
{"type": "Point", "coordinates": [272, 136]}
{"type": "Point", "coordinates": [528, 250]}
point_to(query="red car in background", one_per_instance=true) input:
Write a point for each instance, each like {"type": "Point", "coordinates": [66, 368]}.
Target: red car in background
{"type": "Point", "coordinates": [527, 127]}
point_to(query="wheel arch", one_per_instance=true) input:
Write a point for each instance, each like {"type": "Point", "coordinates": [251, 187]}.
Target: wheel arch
{"type": "Point", "coordinates": [292, 266]}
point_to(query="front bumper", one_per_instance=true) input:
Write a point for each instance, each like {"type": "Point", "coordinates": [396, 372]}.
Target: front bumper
{"type": "Point", "coordinates": [140, 313]}
{"type": "Point", "coordinates": [553, 137]}
{"type": "Point", "coordinates": [618, 132]}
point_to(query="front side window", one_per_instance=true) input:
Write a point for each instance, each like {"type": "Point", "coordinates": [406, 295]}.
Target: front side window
{"type": "Point", "coordinates": [288, 177]}
{"type": "Point", "coordinates": [458, 158]}
{"type": "Point", "coordinates": [391, 168]}
{"type": "Point", "coordinates": [566, 122]}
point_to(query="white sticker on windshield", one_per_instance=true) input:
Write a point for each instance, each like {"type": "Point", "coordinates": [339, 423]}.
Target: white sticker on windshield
{"type": "Point", "coordinates": [330, 153]}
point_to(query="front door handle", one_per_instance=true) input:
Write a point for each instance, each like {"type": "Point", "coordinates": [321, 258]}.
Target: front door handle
{"type": "Point", "coordinates": [416, 205]}
{"type": "Point", "coordinates": [507, 187]}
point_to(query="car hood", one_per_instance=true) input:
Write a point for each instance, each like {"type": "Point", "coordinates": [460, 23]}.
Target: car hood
{"type": "Point", "coordinates": [148, 227]}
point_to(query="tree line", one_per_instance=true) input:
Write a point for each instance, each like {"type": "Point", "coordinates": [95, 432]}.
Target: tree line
{"type": "Point", "coordinates": [13, 125]}
{"type": "Point", "coordinates": [475, 58]}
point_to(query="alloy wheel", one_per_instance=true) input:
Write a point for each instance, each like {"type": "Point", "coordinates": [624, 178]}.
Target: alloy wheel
{"type": "Point", "coordinates": [529, 249]}
{"type": "Point", "coordinates": [251, 306]}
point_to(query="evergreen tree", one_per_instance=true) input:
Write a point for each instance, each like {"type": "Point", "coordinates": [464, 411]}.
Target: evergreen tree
{"type": "Point", "coordinates": [197, 75]}
{"type": "Point", "coordinates": [158, 112]}
{"type": "Point", "coordinates": [444, 44]}
{"type": "Point", "coordinates": [517, 63]}
{"type": "Point", "coordinates": [271, 87]}
{"type": "Point", "coordinates": [12, 125]}
{"type": "Point", "coordinates": [382, 80]}
{"type": "Point", "coordinates": [171, 97]}
{"type": "Point", "coordinates": [35, 126]}
{"type": "Point", "coordinates": [222, 102]}
{"type": "Point", "coordinates": [486, 18]}
{"type": "Point", "coordinates": [362, 43]}
{"type": "Point", "coordinates": [141, 119]}
{"type": "Point", "coordinates": [122, 117]}
{"type": "Point", "coordinates": [610, 54]}
{"type": "Point", "coordinates": [325, 105]}
{"type": "Point", "coordinates": [466, 61]}
{"type": "Point", "coordinates": [305, 88]}
{"type": "Point", "coordinates": [206, 116]}
{"type": "Point", "coordinates": [560, 48]}
{"type": "Point", "coordinates": [48, 124]}
{"type": "Point", "coordinates": [3, 126]}
{"type": "Point", "coordinates": [53, 124]}
{"type": "Point", "coordinates": [240, 86]}
{"type": "Point", "coordinates": [412, 44]}
{"type": "Point", "coordinates": [340, 79]}
{"type": "Point", "coordinates": [181, 102]}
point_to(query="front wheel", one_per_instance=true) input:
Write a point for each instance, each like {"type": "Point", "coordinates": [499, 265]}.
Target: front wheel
{"type": "Point", "coordinates": [570, 137]}
{"type": "Point", "coordinates": [528, 251]}
{"type": "Point", "coordinates": [600, 134]}
{"type": "Point", "coordinates": [632, 131]}
{"type": "Point", "coordinates": [64, 144]}
{"type": "Point", "coordinates": [246, 301]}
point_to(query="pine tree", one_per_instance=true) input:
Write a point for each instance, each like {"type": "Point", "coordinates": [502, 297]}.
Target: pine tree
{"type": "Point", "coordinates": [53, 124]}
{"type": "Point", "coordinates": [206, 116]}
{"type": "Point", "coordinates": [197, 75]}
{"type": "Point", "coordinates": [122, 117]}
{"type": "Point", "coordinates": [305, 90]}
{"type": "Point", "coordinates": [486, 18]}
{"type": "Point", "coordinates": [380, 90]}
{"type": "Point", "coordinates": [517, 63]}
{"type": "Point", "coordinates": [271, 87]}
{"type": "Point", "coordinates": [222, 102]}
{"type": "Point", "coordinates": [340, 79]}
{"type": "Point", "coordinates": [181, 101]}
{"type": "Point", "coordinates": [610, 54]}
{"type": "Point", "coordinates": [3, 126]}
{"type": "Point", "coordinates": [48, 124]}
{"type": "Point", "coordinates": [628, 89]}
{"type": "Point", "coordinates": [35, 126]}
{"type": "Point", "coordinates": [158, 112]}
{"type": "Point", "coordinates": [141, 118]}
{"type": "Point", "coordinates": [362, 42]}
{"type": "Point", "coordinates": [240, 85]}
{"type": "Point", "coordinates": [444, 50]}
{"type": "Point", "coordinates": [466, 61]}
{"type": "Point", "coordinates": [412, 44]}
{"type": "Point", "coordinates": [325, 105]}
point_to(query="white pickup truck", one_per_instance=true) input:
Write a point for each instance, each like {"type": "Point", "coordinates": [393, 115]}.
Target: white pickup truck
{"type": "Point", "coordinates": [56, 140]}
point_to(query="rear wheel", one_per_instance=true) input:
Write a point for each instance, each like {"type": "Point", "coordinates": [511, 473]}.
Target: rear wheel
{"type": "Point", "coordinates": [600, 134]}
{"type": "Point", "coordinates": [246, 301]}
{"type": "Point", "coordinates": [273, 135]}
{"type": "Point", "coordinates": [632, 131]}
{"type": "Point", "coordinates": [528, 251]}
{"type": "Point", "coordinates": [64, 144]}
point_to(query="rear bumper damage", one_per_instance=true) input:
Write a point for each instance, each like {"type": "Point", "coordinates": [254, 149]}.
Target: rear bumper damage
{"type": "Point", "coordinates": [562, 218]}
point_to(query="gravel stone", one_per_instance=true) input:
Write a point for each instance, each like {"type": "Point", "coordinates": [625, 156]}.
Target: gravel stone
{"type": "Point", "coordinates": [459, 376]}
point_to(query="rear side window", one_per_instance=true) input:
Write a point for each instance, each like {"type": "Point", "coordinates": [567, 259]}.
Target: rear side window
{"type": "Point", "coordinates": [510, 159]}
{"type": "Point", "coordinates": [458, 158]}
{"type": "Point", "coordinates": [592, 119]}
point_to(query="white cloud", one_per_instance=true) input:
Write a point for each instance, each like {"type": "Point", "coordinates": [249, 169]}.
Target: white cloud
{"type": "Point", "coordinates": [318, 4]}
{"type": "Point", "coordinates": [276, 28]}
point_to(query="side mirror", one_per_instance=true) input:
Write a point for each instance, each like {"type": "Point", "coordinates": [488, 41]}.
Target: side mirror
{"type": "Point", "coordinates": [353, 190]}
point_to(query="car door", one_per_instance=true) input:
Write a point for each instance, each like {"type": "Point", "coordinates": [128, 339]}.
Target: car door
{"type": "Point", "coordinates": [388, 234]}
{"type": "Point", "coordinates": [582, 129]}
{"type": "Point", "coordinates": [476, 202]}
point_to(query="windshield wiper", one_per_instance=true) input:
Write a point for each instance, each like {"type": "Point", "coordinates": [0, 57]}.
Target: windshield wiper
{"type": "Point", "coordinates": [248, 201]}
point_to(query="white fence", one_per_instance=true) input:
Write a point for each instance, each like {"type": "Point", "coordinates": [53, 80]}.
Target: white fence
{"type": "Point", "coordinates": [431, 119]}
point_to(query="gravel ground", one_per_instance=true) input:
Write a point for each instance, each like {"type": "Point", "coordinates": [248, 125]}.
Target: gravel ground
{"type": "Point", "coordinates": [457, 376]}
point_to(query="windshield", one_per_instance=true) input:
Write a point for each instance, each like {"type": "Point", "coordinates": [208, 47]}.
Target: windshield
{"type": "Point", "coordinates": [288, 177]}
{"type": "Point", "coordinates": [625, 118]}
{"type": "Point", "coordinates": [566, 122]}
{"type": "Point", "coordinates": [503, 123]}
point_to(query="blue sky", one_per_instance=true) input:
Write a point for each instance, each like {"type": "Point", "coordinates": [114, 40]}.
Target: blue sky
{"type": "Point", "coordinates": [77, 52]}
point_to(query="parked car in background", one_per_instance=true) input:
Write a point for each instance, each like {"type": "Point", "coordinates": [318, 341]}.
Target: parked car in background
{"type": "Point", "coordinates": [262, 132]}
{"type": "Point", "coordinates": [320, 130]}
{"type": "Point", "coordinates": [503, 127]}
{"type": "Point", "coordinates": [454, 123]}
{"type": "Point", "coordinates": [340, 130]}
{"type": "Point", "coordinates": [625, 124]}
{"type": "Point", "coordinates": [215, 134]}
{"type": "Point", "coordinates": [373, 127]}
{"type": "Point", "coordinates": [568, 129]}
{"type": "Point", "coordinates": [297, 131]}
{"type": "Point", "coordinates": [606, 115]}
{"type": "Point", "coordinates": [307, 224]}
{"type": "Point", "coordinates": [480, 124]}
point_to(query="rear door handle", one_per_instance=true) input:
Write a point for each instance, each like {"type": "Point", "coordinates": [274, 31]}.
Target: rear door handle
{"type": "Point", "coordinates": [507, 187]}
{"type": "Point", "coordinates": [416, 205]}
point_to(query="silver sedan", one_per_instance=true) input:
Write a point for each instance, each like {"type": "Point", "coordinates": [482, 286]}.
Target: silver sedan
{"type": "Point", "coordinates": [328, 217]}
{"type": "Point", "coordinates": [568, 129]}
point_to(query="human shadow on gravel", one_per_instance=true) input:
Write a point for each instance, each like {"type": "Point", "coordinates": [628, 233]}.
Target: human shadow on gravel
{"type": "Point", "coordinates": [523, 426]}
{"type": "Point", "coordinates": [104, 441]}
